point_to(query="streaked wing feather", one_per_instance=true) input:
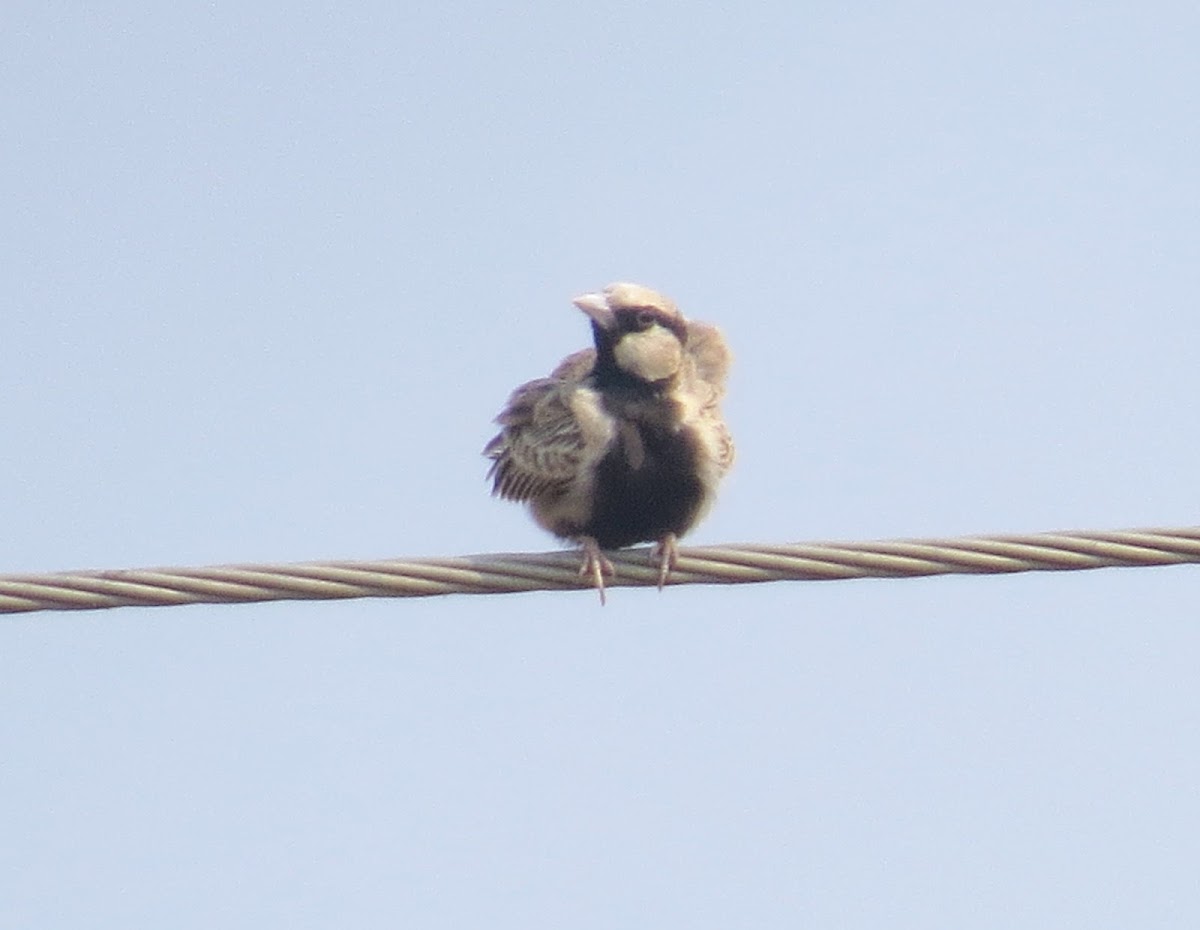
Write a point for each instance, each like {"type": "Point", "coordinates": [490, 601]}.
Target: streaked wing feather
{"type": "Point", "coordinates": [725, 454]}
{"type": "Point", "coordinates": [540, 447]}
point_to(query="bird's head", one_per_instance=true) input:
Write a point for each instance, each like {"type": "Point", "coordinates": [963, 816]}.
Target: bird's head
{"type": "Point", "coordinates": [639, 329]}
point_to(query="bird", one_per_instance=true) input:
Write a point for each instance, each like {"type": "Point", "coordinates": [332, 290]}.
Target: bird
{"type": "Point", "coordinates": [624, 442]}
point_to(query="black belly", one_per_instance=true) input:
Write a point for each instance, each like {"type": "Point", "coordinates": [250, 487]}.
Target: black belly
{"type": "Point", "coordinates": [663, 495]}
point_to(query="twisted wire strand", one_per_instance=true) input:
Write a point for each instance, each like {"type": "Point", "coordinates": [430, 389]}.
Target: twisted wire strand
{"type": "Point", "coordinates": [544, 571]}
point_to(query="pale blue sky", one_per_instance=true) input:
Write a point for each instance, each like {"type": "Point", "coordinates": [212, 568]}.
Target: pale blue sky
{"type": "Point", "coordinates": [269, 270]}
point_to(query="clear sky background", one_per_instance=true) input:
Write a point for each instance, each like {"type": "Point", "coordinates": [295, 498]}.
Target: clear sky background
{"type": "Point", "coordinates": [270, 269]}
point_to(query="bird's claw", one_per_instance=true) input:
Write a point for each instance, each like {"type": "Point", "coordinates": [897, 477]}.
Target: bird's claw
{"type": "Point", "coordinates": [595, 565]}
{"type": "Point", "coordinates": [666, 555]}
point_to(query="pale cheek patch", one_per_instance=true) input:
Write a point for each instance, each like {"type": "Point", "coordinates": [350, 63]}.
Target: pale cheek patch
{"type": "Point", "coordinates": [650, 355]}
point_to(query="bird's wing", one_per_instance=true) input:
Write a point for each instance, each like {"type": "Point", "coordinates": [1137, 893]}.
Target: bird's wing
{"type": "Point", "coordinates": [576, 366]}
{"type": "Point", "coordinates": [710, 360]}
{"type": "Point", "coordinates": [541, 446]}
{"type": "Point", "coordinates": [710, 356]}
{"type": "Point", "coordinates": [724, 444]}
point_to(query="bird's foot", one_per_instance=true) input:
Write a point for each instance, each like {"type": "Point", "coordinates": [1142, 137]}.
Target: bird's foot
{"type": "Point", "coordinates": [665, 554]}
{"type": "Point", "coordinates": [595, 565]}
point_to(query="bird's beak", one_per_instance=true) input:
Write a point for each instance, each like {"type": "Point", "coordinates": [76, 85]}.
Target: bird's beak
{"type": "Point", "coordinates": [596, 306]}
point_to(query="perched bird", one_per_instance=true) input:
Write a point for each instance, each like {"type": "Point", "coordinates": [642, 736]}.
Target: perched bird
{"type": "Point", "coordinates": [623, 443]}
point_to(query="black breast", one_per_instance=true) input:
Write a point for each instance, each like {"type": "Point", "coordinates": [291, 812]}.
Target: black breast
{"type": "Point", "coordinates": [648, 484]}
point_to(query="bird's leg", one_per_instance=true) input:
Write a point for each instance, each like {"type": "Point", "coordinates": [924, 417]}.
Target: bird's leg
{"type": "Point", "coordinates": [666, 554]}
{"type": "Point", "coordinates": [595, 565]}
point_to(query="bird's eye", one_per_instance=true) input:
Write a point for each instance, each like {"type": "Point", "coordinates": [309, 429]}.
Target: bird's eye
{"type": "Point", "coordinates": [645, 319]}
